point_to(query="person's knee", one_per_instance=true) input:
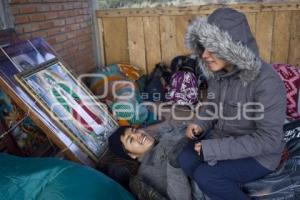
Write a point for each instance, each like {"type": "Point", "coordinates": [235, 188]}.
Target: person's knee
{"type": "Point", "coordinates": [183, 159]}
{"type": "Point", "coordinates": [186, 162]}
{"type": "Point", "coordinates": [205, 178]}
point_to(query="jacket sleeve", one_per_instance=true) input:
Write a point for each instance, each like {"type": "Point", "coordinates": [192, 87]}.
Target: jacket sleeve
{"type": "Point", "coordinates": [208, 114]}
{"type": "Point", "coordinates": [178, 186]}
{"type": "Point", "coordinates": [268, 136]}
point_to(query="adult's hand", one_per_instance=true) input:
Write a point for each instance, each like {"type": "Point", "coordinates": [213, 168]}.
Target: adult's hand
{"type": "Point", "coordinates": [193, 131]}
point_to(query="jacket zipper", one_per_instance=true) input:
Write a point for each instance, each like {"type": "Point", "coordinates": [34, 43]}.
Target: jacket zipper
{"type": "Point", "coordinates": [222, 99]}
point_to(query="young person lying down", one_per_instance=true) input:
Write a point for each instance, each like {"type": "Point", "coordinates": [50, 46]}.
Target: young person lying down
{"type": "Point", "coordinates": [153, 152]}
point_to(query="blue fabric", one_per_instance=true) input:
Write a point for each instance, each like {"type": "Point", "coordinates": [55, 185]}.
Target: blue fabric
{"type": "Point", "coordinates": [49, 178]}
{"type": "Point", "coordinates": [131, 110]}
{"type": "Point", "coordinates": [222, 180]}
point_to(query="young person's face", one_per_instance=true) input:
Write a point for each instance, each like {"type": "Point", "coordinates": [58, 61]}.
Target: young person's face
{"type": "Point", "coordinates": [136, 142]}
{"type": "Point", "coordinates": [213, 62]}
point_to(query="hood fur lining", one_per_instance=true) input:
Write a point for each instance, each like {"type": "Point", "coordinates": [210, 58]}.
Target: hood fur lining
{"type": "Point", "coordinates": [216, 40]}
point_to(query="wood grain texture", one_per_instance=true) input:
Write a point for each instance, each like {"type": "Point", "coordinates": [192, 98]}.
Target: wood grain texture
{"type": "Point", "coordinates": [152, 42]}
{"type": "Point", "coordinates": [136, 42]}
{"type": "Point", "coordinates": [275, 27]}
{"type": "Point", "coordinates": [168, 38]}
{"type": "Point", "coordinates": [251, 18]}
{"type": "Point", "coordinates": [281, 35]}
{"type": "Point", "coordinates": [264, 34]}
{"type": "Point", "coordinates": [182, 23]}
{"type": "Point", "coordinates": [115, 40]}
{"type": "Point", "coordinates": [101, 40]}
{"type": "Point", "coordinates": [196, 10]}
{"type": "Point", "coordinates": [294, 51]}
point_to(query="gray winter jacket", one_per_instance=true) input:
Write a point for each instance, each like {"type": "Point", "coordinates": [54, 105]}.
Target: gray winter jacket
{"type": "Point", "coordinates": [252, 84]}
{"type": "Point", "coordinates": [156, 170]}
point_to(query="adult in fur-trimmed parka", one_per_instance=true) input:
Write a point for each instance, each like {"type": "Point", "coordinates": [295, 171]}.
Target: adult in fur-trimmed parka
{"type": "Point", "coordinates": [246, 111]}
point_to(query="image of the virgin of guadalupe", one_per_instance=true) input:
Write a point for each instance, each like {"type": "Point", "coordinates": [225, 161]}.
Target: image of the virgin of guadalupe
{"type": "Point", "coordinates": [73, 107]}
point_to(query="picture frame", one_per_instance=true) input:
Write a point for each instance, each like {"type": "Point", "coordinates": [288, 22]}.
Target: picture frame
{"type": "Point", "coordinates": [29, 105]}
{"type": "Point", "coordinates": [72, 107]}
{"type": "Point", "coordinates": [30, 54]}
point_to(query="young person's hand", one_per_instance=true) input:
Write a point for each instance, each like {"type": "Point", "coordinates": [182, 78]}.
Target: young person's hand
{"type": "Point", "coordinates": [193, 131]}
{"type": "Point", "coordinates": [197, 148]}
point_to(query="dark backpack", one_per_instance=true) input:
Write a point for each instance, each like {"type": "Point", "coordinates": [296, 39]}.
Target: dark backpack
{"type": "Point", "coordinates": [157, 82]}
{"type": "Point", "coordinates": [183, 89]}
{"type": "Point", "coordinates": [189, 63]}
{"type": "Point", "coordinates": [185, 63]}
{"type": "Point", "coordinates": [184, 84]}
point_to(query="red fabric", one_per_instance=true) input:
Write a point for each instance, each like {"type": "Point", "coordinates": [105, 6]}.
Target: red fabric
{"type": "Point", "coordinates": [291, 78]}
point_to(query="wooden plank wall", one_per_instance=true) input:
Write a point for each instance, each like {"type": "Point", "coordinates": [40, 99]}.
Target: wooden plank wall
{"type": "Point", "coordinates": [144, 37]}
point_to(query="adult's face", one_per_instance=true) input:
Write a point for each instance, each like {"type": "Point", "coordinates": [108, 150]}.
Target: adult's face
{"type": "Point", "coordinates": [137, 142]}
{"type": "Point", "coordinates": [213, 62]}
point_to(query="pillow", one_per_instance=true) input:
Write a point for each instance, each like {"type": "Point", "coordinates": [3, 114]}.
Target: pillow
{"type": "Point", "coordinates": [291, 78]}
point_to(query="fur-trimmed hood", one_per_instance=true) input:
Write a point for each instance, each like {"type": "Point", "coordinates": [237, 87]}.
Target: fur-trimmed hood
{"type": "Point", "coordinates": [226, 32]}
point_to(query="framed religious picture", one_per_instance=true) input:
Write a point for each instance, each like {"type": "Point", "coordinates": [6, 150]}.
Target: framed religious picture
{"type": "Point", "coordinates": [70, 105]}
{"type": "Point", "coordinates": [78, 138]}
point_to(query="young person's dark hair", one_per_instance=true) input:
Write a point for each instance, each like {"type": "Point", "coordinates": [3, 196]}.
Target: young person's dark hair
{"type": "Point", "coordinates": [154, 169]}
{"type": "Point", "coordinates": [115, 144]}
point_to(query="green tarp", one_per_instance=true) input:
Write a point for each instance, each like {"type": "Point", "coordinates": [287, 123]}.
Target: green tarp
{"type": "Point", "coordinates": [49, 178]}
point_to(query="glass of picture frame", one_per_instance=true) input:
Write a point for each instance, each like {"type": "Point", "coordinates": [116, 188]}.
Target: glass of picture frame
{"type": "Point", "coordinates": [40, 52]}
{"type": "Point", "coordinates": [29, 54]}
{"type": "Point", "coordinates": [71, 106]}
